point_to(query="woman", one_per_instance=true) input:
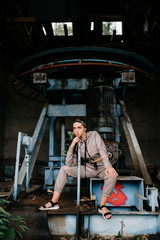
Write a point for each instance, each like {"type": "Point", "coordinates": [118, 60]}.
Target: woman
{"type": "Point", "coordinates": [92, 148]}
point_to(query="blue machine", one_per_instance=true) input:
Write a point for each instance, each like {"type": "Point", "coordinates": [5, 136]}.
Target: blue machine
{"type": "Point", "coordinates": [71, 84]}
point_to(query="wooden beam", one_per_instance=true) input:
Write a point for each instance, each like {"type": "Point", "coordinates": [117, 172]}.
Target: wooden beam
{"type": "Point", "coordinates": [20, 19]}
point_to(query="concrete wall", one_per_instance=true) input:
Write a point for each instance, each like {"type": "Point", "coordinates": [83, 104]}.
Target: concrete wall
{"type": "Point", "coordinates": [21, 114]}
{"type": "Point", "coordinates": [3, 81]}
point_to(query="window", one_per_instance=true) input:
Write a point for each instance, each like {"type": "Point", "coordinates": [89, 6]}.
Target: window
{"type": "Point", "coordinates": [59, 28]}
{"type": "Point", "coordinates": [109, 27]}
{"type": "Point", "coordinates": [92, 26]}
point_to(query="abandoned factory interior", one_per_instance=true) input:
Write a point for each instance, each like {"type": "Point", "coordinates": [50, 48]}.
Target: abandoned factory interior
{"type": "Point", "coordinates": [67, 65]}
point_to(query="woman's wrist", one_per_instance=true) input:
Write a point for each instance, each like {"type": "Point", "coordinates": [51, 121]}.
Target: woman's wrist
{"type": "Point", "coordinates": [72, 145]}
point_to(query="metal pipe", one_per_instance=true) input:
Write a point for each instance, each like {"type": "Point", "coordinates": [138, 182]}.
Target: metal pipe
{"type": "Point", "coordinates": [63, 134]}
{"type": "Point", "coordinates": [88, 233]}
{"type": "Point", "coordinates": [116, 119]}
{"type": "Point", "coordinates": [79, 173]}
{"type": "Point", "coordinates": [78, 191]}
{"type": "Point", "coordinates": [17, 166]}
{"type": "Point", "coordinates": [51, 137]}
{"type": "Point", "coordinates": [62, 141]}
{"type": "Point", "coordinates": [27, 171]}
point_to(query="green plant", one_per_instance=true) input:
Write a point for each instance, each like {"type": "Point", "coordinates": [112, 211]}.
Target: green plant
{"type": "Point", "coordinates": [144, 237]}
{"type": "Point", "coordinates": [10, 228]}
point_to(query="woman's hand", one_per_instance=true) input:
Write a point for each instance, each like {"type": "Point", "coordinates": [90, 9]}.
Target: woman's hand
{"type": "Point", "coordinates": [110, 171]}
{"type": "Point", "coordinates": [74, 141]}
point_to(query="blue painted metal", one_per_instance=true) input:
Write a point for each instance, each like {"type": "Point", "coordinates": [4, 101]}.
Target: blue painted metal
{"type": "Point", "coordinates": [79, 174]}
{"type": "Point", "coordinates": [115, 116]}
{"type": "Point", "coordinates": [68, 110]}
{"type": "Point", "coordinates": [49, 177]}
{"type": "Point", "coordinates": [51, 137]}
{"type": "Point", "coordinates": [152, 196]}
{"type": "Point", "coordinates": [27, 160]}
{"type": "Point", "coordinates": [62, 224]}
{"type": "Point", "coordinates": [115, 59]}
{"type": "Point", "coordinates": [32, 146]}
{"type": "Point", "coordinates": [126, 216]}
{"type": "Point", "coordinates": [19, 142]}
{"type": "Point", "coordinates": [96, 50]}
{"type": "Point", "coordinates": [63, 135]}
{"type": "Point", "coordinates": [134, 223]}
{"type": "Point", "coordinates": [67, 84]}
{"type": "Point", "coordinates": [54, 162]}
{"type": "Point", "coordinates": [128, 192]}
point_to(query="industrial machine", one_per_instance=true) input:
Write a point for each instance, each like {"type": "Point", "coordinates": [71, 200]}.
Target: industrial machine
{"type": "Point", "coordinates": [88, 82]}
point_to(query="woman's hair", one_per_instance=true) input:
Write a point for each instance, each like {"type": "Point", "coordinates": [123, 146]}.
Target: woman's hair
{"type": "Point", "coordinates": [80, 121]}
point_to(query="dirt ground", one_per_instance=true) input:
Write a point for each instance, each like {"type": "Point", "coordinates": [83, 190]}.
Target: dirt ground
{"type": "Point", "coordinates": [96, 237]}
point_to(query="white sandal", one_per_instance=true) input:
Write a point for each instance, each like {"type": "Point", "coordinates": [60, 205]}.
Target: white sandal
{"type": "Point", "coordinates": [53, 207]}
{"type": "Point", "coordinates": [105, 214]}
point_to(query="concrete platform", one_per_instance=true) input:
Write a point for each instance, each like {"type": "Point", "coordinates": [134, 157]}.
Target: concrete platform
{"type": "Point", "coordinates": [62, 222]}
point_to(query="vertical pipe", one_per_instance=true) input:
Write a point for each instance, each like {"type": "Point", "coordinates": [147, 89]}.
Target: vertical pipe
{"type": "Point", "coordinates": [27, 170]}
{"type": "Point", "coordinates": [62, 141]}
{"type": "Point", "coordinates": [78, 190]}
{"type": "Point", "coordinates": [79, 173]}
{"type": "Point", "coordinates": [88, 233]}
{"type": "Point", "coordinates": [116, 120]}
{"type": "Point", "coordinates": [63, 134]}
{"type": "Point", "coordinates": [51, 137]}
{"type": "Point", "coordinates": [17, 166]}
{"type": "Point", "coordinates": [51, 147]}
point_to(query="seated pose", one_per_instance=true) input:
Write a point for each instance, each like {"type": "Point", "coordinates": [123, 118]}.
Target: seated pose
{"type": "Point", "coordinates": [92, 148]}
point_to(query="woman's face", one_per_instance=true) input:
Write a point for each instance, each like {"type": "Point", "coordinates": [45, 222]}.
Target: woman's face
{"type": "Point", "coordinates": [79, 130]}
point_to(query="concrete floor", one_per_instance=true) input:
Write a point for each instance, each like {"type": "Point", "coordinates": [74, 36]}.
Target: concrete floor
{"type": "Point", "coordinates": [27, 206]}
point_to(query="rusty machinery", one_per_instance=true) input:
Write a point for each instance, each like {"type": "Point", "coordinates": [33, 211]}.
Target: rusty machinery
{"type": "Point", "coordinates": [88, 82]}
{"type": "Point", "coordinates": [84, 81]}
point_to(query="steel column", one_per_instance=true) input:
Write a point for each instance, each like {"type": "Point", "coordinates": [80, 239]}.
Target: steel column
{"type": "Point", "coordinates": [131, 148]}
{"type": "Point", "coordinates": [134, 146]}
{"type": "Point", "coordinates": [37, 137]}
{"type": "Point", "coordinates": [78, 190]}
{"type": "Point", "coordinates": [63, 135]}
{"type": "Point", "coordinates": [79, 173]}
{"type": "Point", "coordinates": [116, 119]}
{"type": "Point", "coordinates": [63, 142]}
{"type": "Point", "coordinates": [15, 188]}
{"type": "Point", "coordinates": [51, 137]}
{"type": "Point", "coordinates": [27, 160]}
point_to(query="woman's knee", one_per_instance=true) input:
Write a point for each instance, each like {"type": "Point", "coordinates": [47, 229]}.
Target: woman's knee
{"type": "Point", "coordinates": [110, 183]}
{"type": "Point", "coordinates": [64, 168]}
{"type": "Point", "coordinates": [110, 179]}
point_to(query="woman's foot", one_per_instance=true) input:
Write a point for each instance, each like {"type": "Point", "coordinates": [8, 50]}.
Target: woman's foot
{"type": "Point", "coordinates": [105, 212]}
{"type": "Point", "coordinates": [50, 206]}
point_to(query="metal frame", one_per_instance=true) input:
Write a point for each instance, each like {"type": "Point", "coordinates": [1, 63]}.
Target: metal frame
{"type": "Point", "coordinates": [33, 143]}
{"type": "Point", "coordinates": [132, 189]}
{"type": "Point", "coordinates": [31, 152]}
{"type": "Point", "coordinates": [134, 147]}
